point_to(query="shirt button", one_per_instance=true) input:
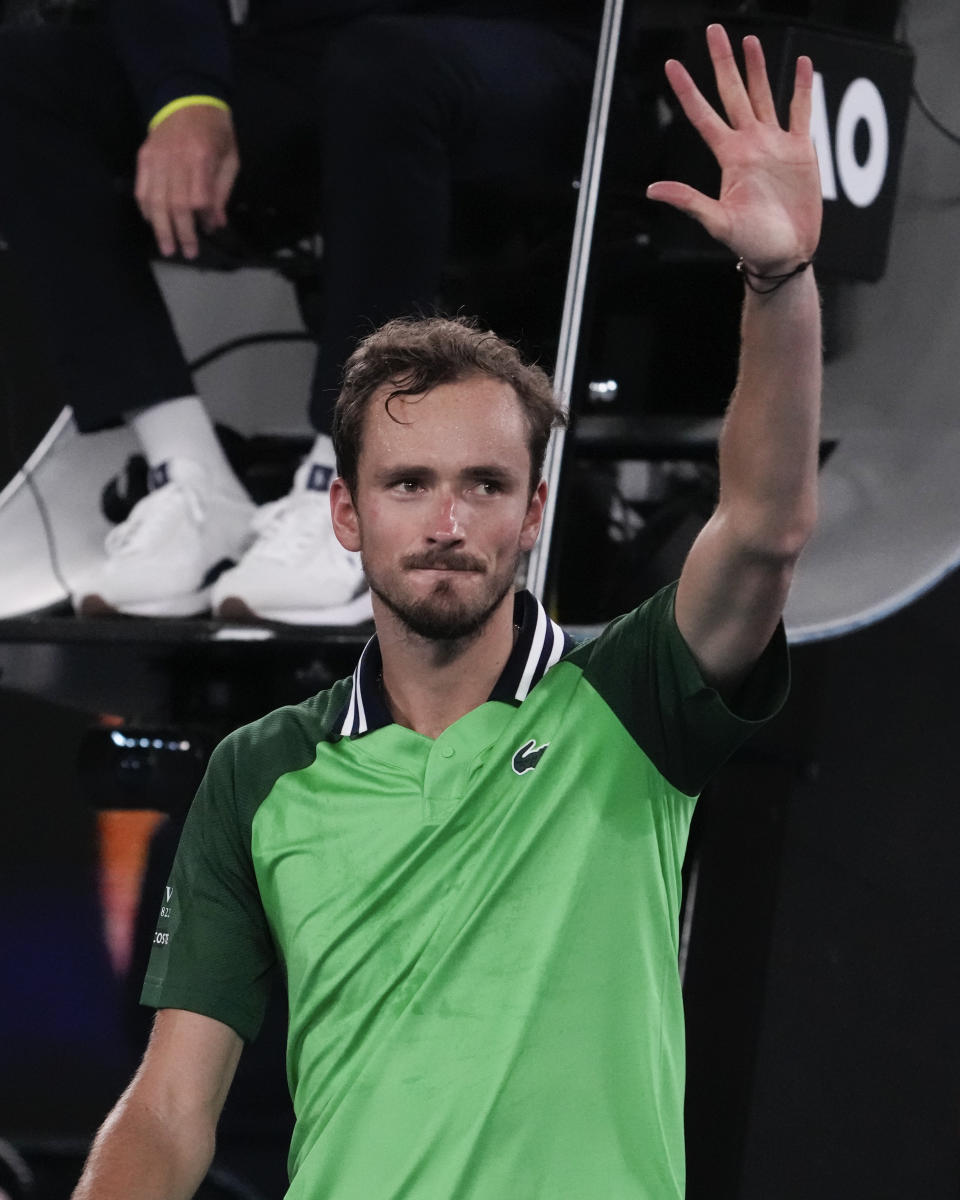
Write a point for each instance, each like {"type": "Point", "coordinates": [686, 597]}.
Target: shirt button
{"type": "Point", "coordinates": [447, 751]}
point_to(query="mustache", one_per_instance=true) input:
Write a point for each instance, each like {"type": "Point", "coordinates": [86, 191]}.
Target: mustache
{"type": "Point", "coordinates": [441, 560]}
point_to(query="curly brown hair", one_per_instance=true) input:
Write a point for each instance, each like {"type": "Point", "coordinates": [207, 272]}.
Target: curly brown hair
{"type": "Point", "coordinates": [416, 354]}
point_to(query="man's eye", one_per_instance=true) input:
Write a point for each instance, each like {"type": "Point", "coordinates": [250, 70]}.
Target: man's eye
{"type": "Point", "coordinates": [490, 487]}
{"type": "Point", "coordinates": [407, 485]}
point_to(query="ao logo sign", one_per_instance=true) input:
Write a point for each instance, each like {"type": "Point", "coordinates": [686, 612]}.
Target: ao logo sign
{"type": "Point", "coordinates": [861, 182]}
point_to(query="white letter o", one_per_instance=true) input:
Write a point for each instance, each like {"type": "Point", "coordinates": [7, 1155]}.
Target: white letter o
{"type": "Point", "coordinates": [862, 102]}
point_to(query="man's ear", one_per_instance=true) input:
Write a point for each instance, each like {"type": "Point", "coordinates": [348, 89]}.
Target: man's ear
{"type": "Point", "coordinates": [534, 517]}
{"type": "Point", "coordinates": [343, 513]}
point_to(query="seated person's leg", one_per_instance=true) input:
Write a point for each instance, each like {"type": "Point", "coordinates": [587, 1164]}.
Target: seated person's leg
{"type": "Point", "coordinates": [407, 104]}
{"type": "Point", "coordinates": [296, 571]}
{"type": "Point", "coordinates": [412, 104]}
{"type": "Point", "coordinates": [69, 133]}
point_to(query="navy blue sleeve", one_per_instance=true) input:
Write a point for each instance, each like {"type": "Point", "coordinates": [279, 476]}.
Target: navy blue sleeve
{"type": "Point", "coordinates": [172, 48]}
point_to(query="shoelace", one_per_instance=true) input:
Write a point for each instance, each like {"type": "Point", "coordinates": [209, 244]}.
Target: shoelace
{"type": "Point", "coordinates": [137, 531]}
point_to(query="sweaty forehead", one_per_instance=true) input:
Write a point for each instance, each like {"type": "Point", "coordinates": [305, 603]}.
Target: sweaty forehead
{"type": "Point", "coordinates": [473, 415]}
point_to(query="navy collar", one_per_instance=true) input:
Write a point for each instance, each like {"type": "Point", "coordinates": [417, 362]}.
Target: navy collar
{"type": "Point", "coordinates": [540, 643]}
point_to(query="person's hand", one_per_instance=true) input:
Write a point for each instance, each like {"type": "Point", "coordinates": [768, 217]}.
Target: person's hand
{"type": "Point", "coordinates": [770, 205]}
{"type": "Point", "coordinates": [185, 171]}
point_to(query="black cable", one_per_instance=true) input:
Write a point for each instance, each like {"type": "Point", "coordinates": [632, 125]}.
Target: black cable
{"type": "Point", "coordinates": [48, 531]}
{"type": "Point", "coordinates": [903, 35]}
{"type": "Point", "coordinates": [250, 339]}
{"type": "Point", "coordinates": [934, 120]}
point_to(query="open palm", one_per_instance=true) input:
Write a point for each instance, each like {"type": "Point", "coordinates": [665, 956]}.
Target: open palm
{"type": "Point", "coordinates": [769, 208]}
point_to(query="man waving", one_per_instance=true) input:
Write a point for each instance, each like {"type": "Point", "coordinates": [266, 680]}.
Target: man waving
{"type": "Point", "coordinates": [466, 858]}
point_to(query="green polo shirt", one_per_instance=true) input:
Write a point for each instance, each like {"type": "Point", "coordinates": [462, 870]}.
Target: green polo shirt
{"type": "Point", "coordinates": [479, 932]}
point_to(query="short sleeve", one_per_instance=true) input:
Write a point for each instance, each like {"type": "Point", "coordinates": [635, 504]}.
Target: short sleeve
{"type": "Point", "coordinates": [646, 673]}
{"type": "Point", "coordinates": [212, 952]}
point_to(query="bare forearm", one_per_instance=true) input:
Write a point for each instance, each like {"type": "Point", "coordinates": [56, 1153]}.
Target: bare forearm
{"type": "Point", "coordinates": [770, 442]}
{"type": "Point", "coordinates": [736, 577]}
{"type": "Point", "coordinates": [137, 1155]}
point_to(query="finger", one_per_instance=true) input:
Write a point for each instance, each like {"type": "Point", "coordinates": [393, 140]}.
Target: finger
{"type": "Point", "coordinates": [159, 218]}
{"type": "Point", "coordinates": [212, 185]}
{"type": "Point", "coordinates": [150, 191]}
{"type": "Point", "coordinates": [701, 115]}
{"type": "Point", "coordinates": [224, 179]}
{"type": "Point", "coordinates": [185, 229]}
{"type": "Point", "coordinates": [185, 196]}
{"type": "Point", "coordinates": [801, 104]}
{"type": "Point", "coordinates": [178, 214]}
{"type": "Point", "coordinates": [733, 94]}
{"type": "Point", "coordinates": [198, 189]}
{"type": "Point", "coordinates": [710, 213]}
{"type": "Point", "coordinates": [758, 82]}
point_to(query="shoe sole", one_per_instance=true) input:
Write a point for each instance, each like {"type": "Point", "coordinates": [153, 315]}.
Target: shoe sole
{"type": "Point", "coordinates": [193, 605]}
{"type": "Point", "coordinates": [355, 612]}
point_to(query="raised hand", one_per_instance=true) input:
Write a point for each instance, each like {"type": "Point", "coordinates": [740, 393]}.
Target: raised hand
{"type": "Point", "coordinates": [770, 206]}
{"type": "Point", "coordinates": [186, 169]}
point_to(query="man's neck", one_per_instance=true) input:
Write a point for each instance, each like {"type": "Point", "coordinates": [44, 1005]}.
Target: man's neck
{"type": "Point", "coordinates": [430, 684]}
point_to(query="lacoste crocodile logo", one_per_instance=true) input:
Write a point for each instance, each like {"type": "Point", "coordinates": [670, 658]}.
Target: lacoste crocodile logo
{"type": "Point", "coordinates": [527, 757]}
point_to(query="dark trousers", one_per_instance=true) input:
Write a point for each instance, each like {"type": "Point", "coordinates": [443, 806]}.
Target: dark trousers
{"type": "Point", "coordinates": [369, 124]}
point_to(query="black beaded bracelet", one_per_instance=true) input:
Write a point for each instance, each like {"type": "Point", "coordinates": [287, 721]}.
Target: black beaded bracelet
{"type": "Point", "coordinates": [777, 281]}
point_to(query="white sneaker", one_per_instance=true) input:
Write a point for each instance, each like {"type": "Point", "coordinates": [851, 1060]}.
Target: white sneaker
{"type": "Point", "coordinates": [162, 561]}
{"type": "Point", "coordinates": [296, 571]}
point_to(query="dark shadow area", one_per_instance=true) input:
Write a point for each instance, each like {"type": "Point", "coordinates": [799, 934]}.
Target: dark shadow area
{"type": "Point", "coordinates": [72, 1030]}
{"type": "Point", "coordinates": [823, 985]}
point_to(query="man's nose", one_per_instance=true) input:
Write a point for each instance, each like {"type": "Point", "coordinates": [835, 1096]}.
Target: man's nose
{"type": "Point", "coordinates": [446, 522]}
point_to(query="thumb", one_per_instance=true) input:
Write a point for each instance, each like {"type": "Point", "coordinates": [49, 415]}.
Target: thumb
{"type": "Point", "coordinates": [707, 211]}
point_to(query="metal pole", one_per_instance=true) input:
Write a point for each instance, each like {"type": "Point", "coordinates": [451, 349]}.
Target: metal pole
{"type": "Point", "coordinates": [577, 275]}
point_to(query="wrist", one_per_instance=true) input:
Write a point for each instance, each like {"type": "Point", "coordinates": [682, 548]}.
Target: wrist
{"type": "Point", "coordinates": [772, 276]}
{"type": "Point", "coordinates": [185, 102]}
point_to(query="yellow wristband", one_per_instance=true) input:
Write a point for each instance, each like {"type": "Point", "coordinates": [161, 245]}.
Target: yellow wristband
{"type": "Point", "coordinates": [185, 102]}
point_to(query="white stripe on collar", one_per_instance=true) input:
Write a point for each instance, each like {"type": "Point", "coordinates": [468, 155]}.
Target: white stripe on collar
{"type": "Point", "coordinates": [355, 720]}
{"type": "Point", "coordinates": [540, 644]}
{"type": "Point", "coordinates": [546, 646]}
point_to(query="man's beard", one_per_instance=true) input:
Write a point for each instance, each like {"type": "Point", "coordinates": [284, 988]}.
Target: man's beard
{"type": "Point", "coordinates": [440, 617]}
